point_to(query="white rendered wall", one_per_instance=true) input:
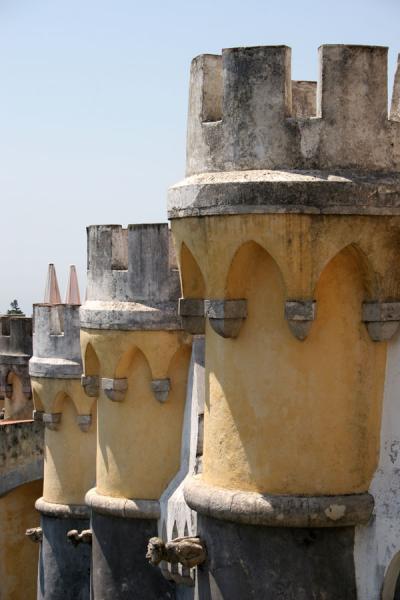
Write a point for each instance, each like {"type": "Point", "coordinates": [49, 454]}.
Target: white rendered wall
{"type": "Point", "coordinates": [378, 542]}
{"type": "Point", "coordinates": [177, 519]}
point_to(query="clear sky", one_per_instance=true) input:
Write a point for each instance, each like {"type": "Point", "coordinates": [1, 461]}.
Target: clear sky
{"type": "Point", "coordinates": [93, 108]}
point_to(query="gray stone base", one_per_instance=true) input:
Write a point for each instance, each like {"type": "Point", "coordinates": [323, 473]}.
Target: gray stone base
{"type": "Point", "coordinates": [120, 569]}
{"type": "Point", "coordinates": [275, 563]}
{"type": "Point", "coordinates": [64, 570]}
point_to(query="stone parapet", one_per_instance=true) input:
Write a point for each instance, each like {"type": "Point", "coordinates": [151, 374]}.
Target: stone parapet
{"type": "Point", "coordinates": [133, 280]}
{"type": "Point", "coordinates": [242, 116]}
{"type": "Point", "coordinates": [56, 346]}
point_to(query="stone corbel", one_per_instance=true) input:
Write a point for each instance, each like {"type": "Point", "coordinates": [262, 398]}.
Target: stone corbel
{"type": "Point", "coordinates": [35, 534]}
{"type": "Point", "coordinates": [300, 315]}
{"type": "Point", "coordinates": [52, 420]}
{"type": "Point", "coordinates": [76, 538]}
{"type": "Point", "coordinates": [37, 415]}
{"type": "Point", "coordinates": [114, 389]}
{"type": "Point", "coordinates": [161, 389]}
{"type": "Point", "coordinates": [382, 319]}
{"type": "Point", "coordinates": [191, 311]}
{"type": "Point", "coordinates": [91, 385]}
{"type": "Point", "coordinates": [188, 551]}
{"type": "Point", "coordinates": [226, 316]}
{"type": "Point", "coordinates": [84, 422]}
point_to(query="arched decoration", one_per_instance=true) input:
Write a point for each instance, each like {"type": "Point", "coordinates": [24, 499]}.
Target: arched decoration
{"type": "Point", "coordinates": [37, 400]}
{"type": "Point", "coordinates": [242, 267]}
{"type": "Point", "coordinates": [17, 402]}
{"type": "Point", "coordinates": [356, 256]}
{"type": "Point", "coordinates": [125, 362]}
{"type": "Point", "coordinates": [91, 361]}
{"type": "Point", "coordinates": [191, 306]}
{"type": "Point", "coordinates": [177, 374]}
{"type": "Point", "coordinates": [91, 364]}
{"type": "Point", "coordinates": [391, 582]}
{"type": "Point", "coordinates": [193, 284]}
{"type": "Point", "coordinates": [59, 400]}
{"type": "Point", "coordinates": [226, 316]}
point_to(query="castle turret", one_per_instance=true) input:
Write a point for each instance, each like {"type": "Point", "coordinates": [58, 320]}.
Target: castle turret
{"type": "Point", "coordinates": [69, 417]}
{"type": "Point", "coordinates": [287, 232]}
{"type": "Point", "coordinates": [15, 352]}
{"type": "Point", "coordinates": [136, 361]}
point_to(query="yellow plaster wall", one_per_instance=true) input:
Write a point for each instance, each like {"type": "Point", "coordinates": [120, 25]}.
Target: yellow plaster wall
{"type": "Point", "coordinates": [18, 406]}
{"type": "Point", "coordinates": [69, 454]}
{"type": "Point", "coordinates": [285, 416]}
{"type": "Point", "coordinates": [18, 555]}
{"type": "Point", "coordinates": [139, 439]}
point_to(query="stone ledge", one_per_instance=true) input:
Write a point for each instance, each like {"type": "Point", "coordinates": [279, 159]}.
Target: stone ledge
{"type": "Point", "coordinates": [54, 368]}
{"type": "Point", "coordinates": [62, 511]}
{"type": "Point", "coordinates": [274, 192]}
{"type": "Point", "coordinates": [122, 507]}
{"type": "Point", "coordinates": [129, 316]}
{"type": "Point", "coordinates": [278, 511]}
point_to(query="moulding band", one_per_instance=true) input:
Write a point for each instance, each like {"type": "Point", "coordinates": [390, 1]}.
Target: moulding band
{"type": "Point", "coordinates": [122, 507]}
{"type": "Point", "coordinates": [253, 508]}
{"type": "Point", "coordinates": [62, 511]}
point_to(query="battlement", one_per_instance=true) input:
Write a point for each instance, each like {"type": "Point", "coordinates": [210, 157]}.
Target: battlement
{"type": "Point", "coordinates": [56, 343]}
{"type": "Point", "coordinates": [134, 268]}
{"type": "Point", "coordinates": [15, 336]}
{"type": "Point", "coordinates": [244, 112]}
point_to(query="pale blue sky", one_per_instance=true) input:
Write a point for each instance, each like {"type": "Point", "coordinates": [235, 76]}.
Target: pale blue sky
{"type": "Point", "coordinates": [93, 108]}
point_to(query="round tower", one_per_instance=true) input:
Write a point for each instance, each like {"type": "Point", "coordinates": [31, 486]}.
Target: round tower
{"type": "Point", "coordinates": [136, 360]}
{"type": "Point", "coordinates": [69, 416]}
{"type": "Point", "coordinates": [287, 232]}
{"type": "Point", "coordinates": [15, 352]}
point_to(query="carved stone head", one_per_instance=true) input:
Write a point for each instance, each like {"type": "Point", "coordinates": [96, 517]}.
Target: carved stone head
{"type": "Point", "coordinates": [155, 550]}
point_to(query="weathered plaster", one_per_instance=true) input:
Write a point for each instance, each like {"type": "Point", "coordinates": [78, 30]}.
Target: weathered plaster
{"type": "Point", "coordinates": [377, 543]}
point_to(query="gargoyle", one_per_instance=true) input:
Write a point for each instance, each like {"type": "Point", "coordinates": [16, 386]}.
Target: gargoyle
{"type": "Point", "coordinates": [188, 551]}
{"type": "Point", "coordinates": [84, 537]}
{"type": "Point", "coordinates": [35, 534]}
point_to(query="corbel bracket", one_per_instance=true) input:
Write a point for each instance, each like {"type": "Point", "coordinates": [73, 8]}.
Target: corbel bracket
{"type": "Point", "coordinates": [91, 385]}
{"type": "Point", "coordinates": [382, 319]}
{"type": "Point", "coordinates": [226, 316]}
{"type": "Point", "coordinates": [161, 389]}
{"type": "Point", "coordinates": [84, 422]}
{"type": "Point", "coordinates": [300, 315]}
{"type": "Point", "coordinates": [52, 420]}
{"type": "Point", "coordinates": [191, 311]}
{"type": "Point", "coordinates": [114, 389]}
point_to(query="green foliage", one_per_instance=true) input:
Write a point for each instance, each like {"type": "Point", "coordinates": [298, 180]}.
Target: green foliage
{"type": "Point", "coordinates": [14, 308]}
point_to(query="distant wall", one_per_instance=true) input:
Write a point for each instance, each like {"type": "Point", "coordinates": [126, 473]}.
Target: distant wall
{"type": "Point", "coordinates": [18, 555]}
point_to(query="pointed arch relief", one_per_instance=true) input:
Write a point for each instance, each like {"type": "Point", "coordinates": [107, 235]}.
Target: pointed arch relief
{"type": "Point", "coordinates": [192, 278]}
{"type": "Point", "coordinates": [270, 383]}
{"type": "Point", "coordinates": [191, 306]}
{"type": "Point", "coordinates": [38, 405]}
{"type": "Point", "coordinates": [381, 317]}
{"type": "Point", "coordinates": [17, 400]}
{"type": "Point", "coordinates": [226, 316]}
{"type": "Point", "coordinates": [91, 378]}
{"type": "Point", "coordinates": [360, 262]}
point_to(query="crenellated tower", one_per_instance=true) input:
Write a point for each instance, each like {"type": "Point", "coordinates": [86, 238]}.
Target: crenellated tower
{"type": "Point", "coordinates": [15, 352]}
{"type": "Point", "coordinates": [69, 416]}
{"type": "Point", "coordinates": [287, 230]}
{"type": "Point", "coordinates": [136, 360]}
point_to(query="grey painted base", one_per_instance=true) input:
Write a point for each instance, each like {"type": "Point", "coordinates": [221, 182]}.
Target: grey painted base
{"type": "Point", "coordinates": [275, 563]}
{"type": "Point", "coordinates": [119, 567]}
{"type": "Point", "coordinates": [64, 570]}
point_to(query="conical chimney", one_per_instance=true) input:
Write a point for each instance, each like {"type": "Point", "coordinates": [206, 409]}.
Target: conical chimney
{"type": "Point", "coordinates": [72, 296]}
{"type": "Point", "coordinates": [52, 293]}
